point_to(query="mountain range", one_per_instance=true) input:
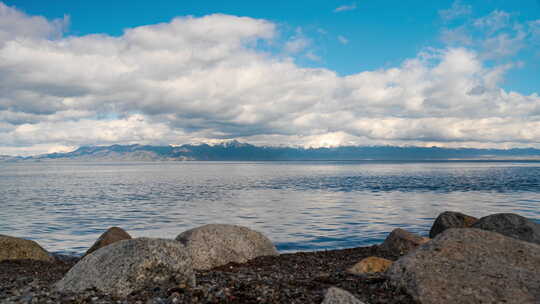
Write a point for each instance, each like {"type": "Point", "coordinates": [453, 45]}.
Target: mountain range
{"type": "Point", "coordinates": [237, 151]}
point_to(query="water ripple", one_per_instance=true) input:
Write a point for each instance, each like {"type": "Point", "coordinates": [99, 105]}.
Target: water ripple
{"type": "Point", "coordinates": [299, 205]}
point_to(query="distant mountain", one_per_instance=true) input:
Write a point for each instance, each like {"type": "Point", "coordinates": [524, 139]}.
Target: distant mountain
{"type": "Point", "coordinates": [117, 153]}
{"type": "Point", "coordinates": [236, 151]}
{"type": "Point", "coordinates": [7, 158]}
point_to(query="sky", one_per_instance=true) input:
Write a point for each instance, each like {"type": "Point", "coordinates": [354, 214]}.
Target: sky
{"type": "Point", "coordinates": [313, 73]}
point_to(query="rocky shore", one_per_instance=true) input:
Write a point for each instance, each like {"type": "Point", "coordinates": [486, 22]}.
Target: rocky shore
{"type": "Point", "coordinates": [494, 259]}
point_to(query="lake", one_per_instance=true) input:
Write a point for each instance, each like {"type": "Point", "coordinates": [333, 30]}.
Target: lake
{"type": "Point", "coordinates": [65, 206]}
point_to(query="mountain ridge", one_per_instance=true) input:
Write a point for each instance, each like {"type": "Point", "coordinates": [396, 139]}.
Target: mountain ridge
{"type": "Point", "coordinates": [237, 151]}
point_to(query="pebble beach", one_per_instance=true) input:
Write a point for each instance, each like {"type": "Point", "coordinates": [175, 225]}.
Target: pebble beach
{"type": "Point", "coordinates": [465, 260]}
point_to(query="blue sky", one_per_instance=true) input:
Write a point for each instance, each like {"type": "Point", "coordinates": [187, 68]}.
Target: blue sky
{"type": "Point", "coordinates": [378, 33]}
{"type": "Point", "coordinates": [450, 73]}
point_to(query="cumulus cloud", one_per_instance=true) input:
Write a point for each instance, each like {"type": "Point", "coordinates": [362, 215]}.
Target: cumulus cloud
{"type": "Point", "coordinates": [15, 24]}
{"type": "Point", "coordinates": [344, 8]}
{"type": "Point", "coordinates": [206, 79]}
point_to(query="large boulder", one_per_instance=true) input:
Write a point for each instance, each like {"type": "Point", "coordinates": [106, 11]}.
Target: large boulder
{"type": "Point", "coordinates": [400, 242]}
{"type": "Point", "coordinates": [451, 219]}
{"type": "Point", "coordinates": [131, 265]}
{"type": "Point", "coordinates": [370, 265]}
{"type": "Point", "coordinates": [112, 235]}
{"type": "Point", "coordinates": [219, 244]}
{"type": "Point", "coordinates": [470, 266]}
{"type": "Point", "coordinates": [13, 248]}
{"type": "Point", "coordinates": [336, 295]}
{"type": "Point", "coordinates": [511, 225]}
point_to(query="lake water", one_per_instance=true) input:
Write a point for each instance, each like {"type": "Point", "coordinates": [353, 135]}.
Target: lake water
{"type": "Point", "coordinates": [65, 206]}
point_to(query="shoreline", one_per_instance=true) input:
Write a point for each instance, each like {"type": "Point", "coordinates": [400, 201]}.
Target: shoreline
{"type": "Point", "coordinates": [465, 260]}
{"type": "Point", "coordinates": [300, 277]}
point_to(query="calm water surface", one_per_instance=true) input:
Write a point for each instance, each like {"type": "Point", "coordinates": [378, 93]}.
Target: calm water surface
{"type": "Point", "coordinates": [65, 206]}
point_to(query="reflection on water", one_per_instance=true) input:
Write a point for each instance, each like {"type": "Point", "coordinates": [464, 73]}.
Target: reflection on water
{"type": "Point", "coordinates": [299, 205]}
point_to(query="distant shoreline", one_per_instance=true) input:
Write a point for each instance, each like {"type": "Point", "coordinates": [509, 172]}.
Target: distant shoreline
{"type": "Point", "coordinates": [236, 151]}
{"type": "Point", "coordinates": [478, 160]}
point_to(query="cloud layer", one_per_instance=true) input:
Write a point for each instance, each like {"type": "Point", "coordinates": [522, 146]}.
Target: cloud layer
{"type": "Point", "coordinates": [210, 78]}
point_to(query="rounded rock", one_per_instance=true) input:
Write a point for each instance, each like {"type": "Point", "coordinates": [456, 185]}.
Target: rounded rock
{"type": "Point", "coordinates": [470, 266]}
{"type": "Point", "coordinates": [370, 265]}
{"type": "Point", "coordinates": [400, 242]}
{"type": "Point", "coordinates": [451, 219]}
{"type": "Point", "coordinates": [511, 225]}
{"type": "Point", "coordinates": [112, 235]}
{"type": "Point", "coordinates": [14, 248]}
{"type": "Point", "coordinates": [336, 295]}
{"type": "Point", "coordinates": [215, 245]}
{"type": "Point", "coordinates": [130, 265]}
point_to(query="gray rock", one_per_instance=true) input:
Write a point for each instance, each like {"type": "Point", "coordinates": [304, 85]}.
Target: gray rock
{"type": "Point", "coordinates": [13, 248]}
{"type": "Point", "coordinates": [112, 235]}
{"type": "Point", "coordinates": [130, 265]}
{"type": "Point", "coordinates": [401, 242]}
{"type": "Point", "coordinates": [511, 225]}
{"type": "Point", "coordinates": [65, 258]}
{"type": "Point", "coordinates": [470, 266]}
{"type": "Point", "coordinates": [451, 219]}
{"type": "Point", "coordinates": [219, 244]}
{"type": "Point", "coordinates": [336, 295]}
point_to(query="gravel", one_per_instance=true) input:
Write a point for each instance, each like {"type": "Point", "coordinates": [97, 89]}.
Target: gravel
{"type": "Point", "coordinates": [301, 277]}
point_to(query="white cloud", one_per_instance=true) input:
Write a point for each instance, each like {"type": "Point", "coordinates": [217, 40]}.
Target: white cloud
{"type": "Point", "coordinates": [312, 56]}
{"type": "Point", "coordinates": [503, 45]}
{"type": "Point", "coordinates": [456, 11]}
{"type": "Point", "coordinates": [205, 79]}
{"type": "Point", "coordinates": [456, 36]}
{"type": "Point", "coordinates": [344, 8]}
{"type": "Point", "coordinates": [493, 22]}
{"type": "Point", "coordinates": [342, 39]}
{"type": "Point", "coordinates": [297, 45]}
{"type": "Point", "coordinates": [534, 29]}
{"type": "Point", "coordinates": [496, 36]}
{"type": "Point", "coordinates": [134, 128]}
{"type": "Point", "coordinates": [15, 24]}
